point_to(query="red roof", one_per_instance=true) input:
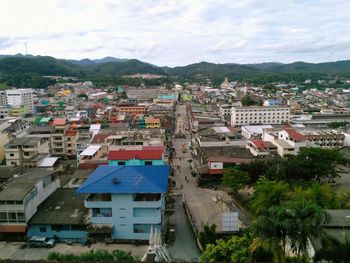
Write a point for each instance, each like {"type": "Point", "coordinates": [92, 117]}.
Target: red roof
{"type": "Point", "coordinates": [59, 121]}
{"type": "Point", "coordinates": [137, 154]}
{"type": "Point", "coordinates": [296, 136]}
{"type": "Point", "coordinates": [155, 147]}
{"type": "Point", "coordinates": [259, 144]}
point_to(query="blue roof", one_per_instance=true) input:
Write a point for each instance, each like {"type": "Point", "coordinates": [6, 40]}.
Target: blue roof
{"type": "Point", "coordinates": [130, 179]}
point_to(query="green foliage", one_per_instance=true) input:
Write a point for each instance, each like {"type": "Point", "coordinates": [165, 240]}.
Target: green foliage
{"type": "Point", "coordinates": [267, 194]}
{"type": "Point", "coordinates": [334, 250]}
{"type": "Point", "coordinates": [236, 249]}
{"type": "Point", "coordinates": [208, 235]}
{"type": "Point", "coordinates": [235, 178]}
{"type": "Point", "coordinates": [98, 255]}
{"type": "Point", "coordinates": [291, 224]}
{"type": "Point", "coordinates": [86, 98]}
{"type": "Point", "coordinates": [21, 80]}
{"type": "Point", "coordinates": [336, 125]}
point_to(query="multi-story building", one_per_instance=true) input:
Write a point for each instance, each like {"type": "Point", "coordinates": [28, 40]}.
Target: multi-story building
{"type": "Point", "coordinates": [4, 111]}
{"type": "Point", "coordinates": [125, 201]}
{"type": "Point", "coordinates": [57, 145]}
{"type": "Point", "coordinates": [70, 144]}
{"type": "Point", "coordinates": [225, 111]}
{"type": "Point", "coordinates": [20, 199]}
{"type": "Point", "coordinates": [132, 110]}
{"type": "Point", "coordinates": [20, 98]}
{"type": "Point", "coordinates": [259, 115]}
{"type": "Point", "coordinates": [152, 123]}
{"type": "Point", "coordinates": [17, 128]}
{"type": "Point", "coordinates": [136, 157]}
{"type": "Point", "coordinates": [26, 151]}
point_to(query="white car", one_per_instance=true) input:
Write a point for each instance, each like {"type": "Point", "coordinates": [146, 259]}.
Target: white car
{"type": "Point", "coordinates": [36, 241]}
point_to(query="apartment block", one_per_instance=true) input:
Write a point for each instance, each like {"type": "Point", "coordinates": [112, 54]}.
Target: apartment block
{"type": "Point", "coordinates": [26, 151]}
{"type": "Point", "coordinates": [259, 115]}
{"type": "Point", "coordinates": [125, 202]}
{"type": "Point", "coordinates": [20, 199]}
{"type": "Point", "coordinates": [20, 98]}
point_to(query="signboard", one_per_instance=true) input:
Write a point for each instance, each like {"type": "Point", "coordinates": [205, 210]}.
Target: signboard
{"type": "Point", "coordinates": [230, 222]}
{"type": "Point", "coordinates": [216, 165]}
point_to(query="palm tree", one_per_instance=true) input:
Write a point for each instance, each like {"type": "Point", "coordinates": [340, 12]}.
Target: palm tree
{"type": "Point", "coordinates": [289, 225]}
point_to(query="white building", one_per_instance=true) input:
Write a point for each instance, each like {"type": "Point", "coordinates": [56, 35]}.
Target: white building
{"type": "Point", "coordinates": [254, 131]}
{"type": "Point", "coordinates": [20, 97]}
{"type": "Point", "coordinates": [259, 115]}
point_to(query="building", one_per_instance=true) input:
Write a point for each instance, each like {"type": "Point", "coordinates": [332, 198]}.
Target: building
{"type": "Point", "coordinates": [57, 145]}
{"type": "Point", "coordinates": [17, 129]}
{"type": "Point", "coordinates": [259, 115]}
{"type": "Point", "coordinates": [70, 144]}
{"type": "Point", "coordinates": [132, 110]}
{"type": "Point", "coordinates": [61, 216]}
{"type": "Point", "coordinates": [152, 123]}
{"type": "Point", "coordinates": [225, 112]}
{"type": "Point", "coordinates": [19, 98]}
{"type": "Point", "coordinates": [124, 202]}
{"type": "Point", "coordinates": [270, 103]}
{"type": "Point", "coordinates": [136, 157]}
{"type": "Point", "coordinates": [26, 151]}
{"type": "Point", "coordinates": [254, 131]}
{"type": "Point", "coordinates": [4, 112]}
{"type": "Point", "coordinates": [20, 199]}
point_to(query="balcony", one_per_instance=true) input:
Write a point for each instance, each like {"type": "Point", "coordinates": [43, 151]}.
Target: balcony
{"type": "Point", "coordinates": [98, 201]}
{"type": "Point", "coordinates": [147, 220]}
{"type": "Point", "coordinates": [145, 204]}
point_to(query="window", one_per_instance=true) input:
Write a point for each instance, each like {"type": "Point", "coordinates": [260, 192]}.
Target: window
{"type": "Point", "coordinates": [12, 217]}
{"type": "Point", "coordinates": [148, 162]}
{"type": "Point", "coordinates": [21, 217]}
{"type": "Point", "coordinates": [11, 154]}
{"type": "Point", "coordinates": [121, 163]}
{"type": "Point", "coordinates": [3, 217]}
{"type": "Point", "coordinates": [42, 229]}
{"type": "Point", "coordinates": [57, 228]}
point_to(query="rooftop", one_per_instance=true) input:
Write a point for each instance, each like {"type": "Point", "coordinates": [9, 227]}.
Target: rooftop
{"type": "Point", "coordinates": [295, 135]}
{"type": "Point", "coordinates": [127, 179]}
{"type": "Point", "coordinates": [59, 122]}
{"type": "Point", "coordinates": [20, 186]}
{"type": "Point", "coordinates": [63, 207]}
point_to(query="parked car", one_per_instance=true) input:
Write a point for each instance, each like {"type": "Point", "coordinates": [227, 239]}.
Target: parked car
{"type": "Point", "coordinates": [40, 242]}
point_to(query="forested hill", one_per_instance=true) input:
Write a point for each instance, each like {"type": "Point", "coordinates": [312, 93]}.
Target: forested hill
{"type": "Point", "coordinates": [24, 67]}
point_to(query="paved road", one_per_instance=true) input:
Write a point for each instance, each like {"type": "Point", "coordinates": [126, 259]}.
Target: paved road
{"type": "Point", "coordinates": [205, 205]}
{"type": "Point", "coordinates": [185, 246]}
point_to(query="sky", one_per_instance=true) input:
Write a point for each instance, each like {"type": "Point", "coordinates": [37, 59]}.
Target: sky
{"type": "Point", "coordinates": [180, 32]}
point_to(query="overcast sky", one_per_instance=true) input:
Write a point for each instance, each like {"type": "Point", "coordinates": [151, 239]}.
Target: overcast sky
{"type": "Point", "coordinates": [179, 32]}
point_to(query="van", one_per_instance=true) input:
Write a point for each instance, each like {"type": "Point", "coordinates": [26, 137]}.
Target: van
{"type": "Point", "coordinates": [35, 241]}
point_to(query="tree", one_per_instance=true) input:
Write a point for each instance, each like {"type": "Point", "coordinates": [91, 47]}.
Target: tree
{"type": "Point", "coordinates": [208, 235]}
{"type": "Point", "coordinates": [289, 225]}
{"type": "Point", "coordinates": [316, 164]}
{"type": "Point", "coordinates": [334, 250]}
{"type": "Point", "coordinates": [235, 178]}
{"type": "Point", "coordinates": [267, 194]}
{"type": "Point", "coordinates": [236, 249]}
{"type": "Point", "coordinates": [247, 100]}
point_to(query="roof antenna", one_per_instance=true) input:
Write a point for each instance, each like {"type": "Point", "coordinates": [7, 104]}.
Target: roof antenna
{"type": "Point", "coordinates": [25, 44]}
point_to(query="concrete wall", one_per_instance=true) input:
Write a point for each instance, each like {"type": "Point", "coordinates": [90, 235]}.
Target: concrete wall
{"type": "Point", "coordinates": [66, 233]}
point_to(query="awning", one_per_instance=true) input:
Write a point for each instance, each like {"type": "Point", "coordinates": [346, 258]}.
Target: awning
{"type": "Point", "coordinates": [13, 228]}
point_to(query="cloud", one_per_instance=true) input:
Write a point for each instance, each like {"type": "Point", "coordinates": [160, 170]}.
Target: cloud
{"type": "Point", "coordinates": [178, 32]}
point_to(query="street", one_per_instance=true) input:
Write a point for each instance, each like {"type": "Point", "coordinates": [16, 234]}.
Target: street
{"type": "Point", "coordinates": [205, 205]}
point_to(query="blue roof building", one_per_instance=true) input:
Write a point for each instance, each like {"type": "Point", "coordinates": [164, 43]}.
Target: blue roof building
{"type": "Point", "coordinates": [125, 201]}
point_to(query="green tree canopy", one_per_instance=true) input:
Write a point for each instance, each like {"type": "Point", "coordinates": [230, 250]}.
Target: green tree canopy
{"type": "Point", "coordinates": [234, 178]}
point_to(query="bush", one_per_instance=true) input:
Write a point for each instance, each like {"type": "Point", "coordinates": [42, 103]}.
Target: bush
{"type": "Point", "coordinates": [98, 255]}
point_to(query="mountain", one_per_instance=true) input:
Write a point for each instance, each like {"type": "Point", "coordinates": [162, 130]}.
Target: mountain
{"type": "Point", "coordinates": [87, 62]}
{"type": "Point", "coordinates": [114, 67]}
{"type": "Point", "coordinates": [131, 66]}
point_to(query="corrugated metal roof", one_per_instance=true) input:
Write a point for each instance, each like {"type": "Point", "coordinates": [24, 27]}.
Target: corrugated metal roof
{"type": "Point", "coordinates": [131, 179]}
{"type": "Point", "coordinates": [90, 150]}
